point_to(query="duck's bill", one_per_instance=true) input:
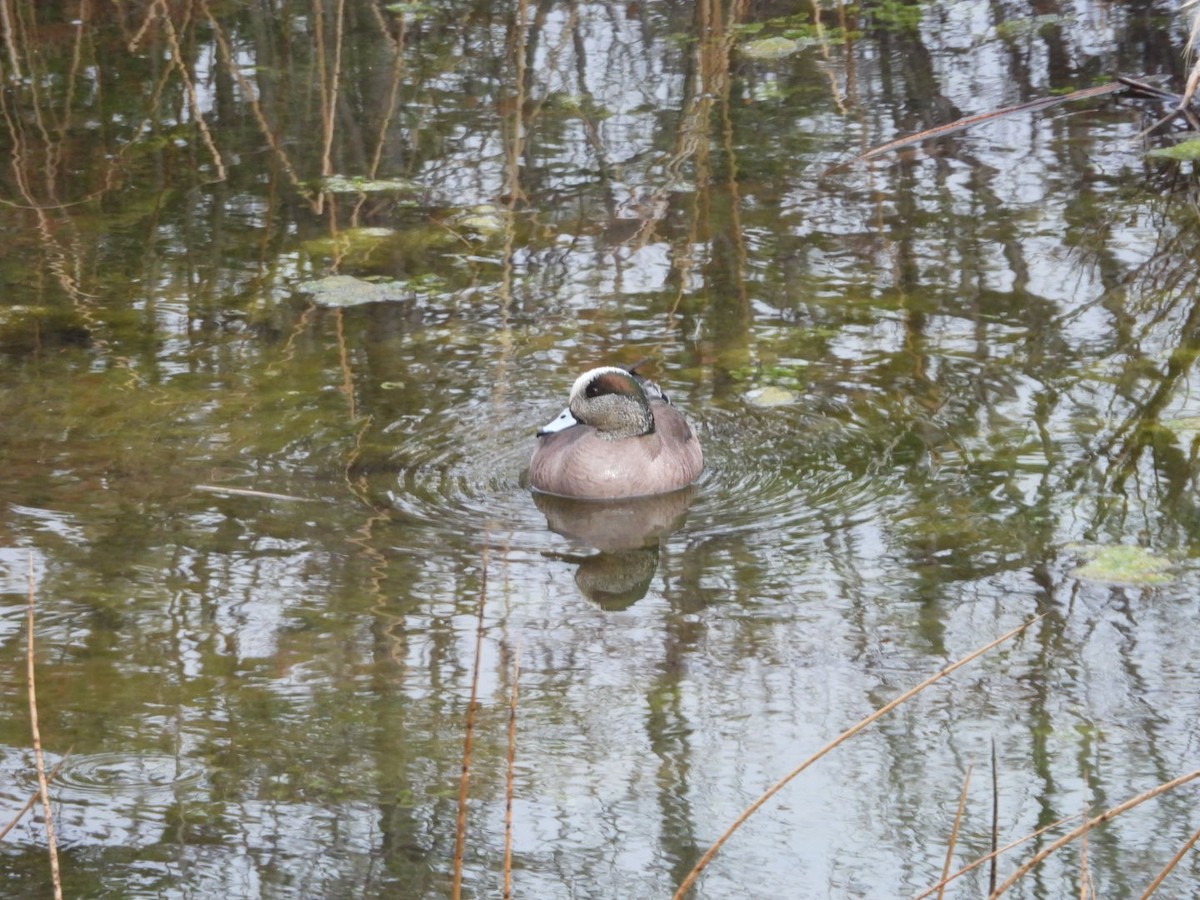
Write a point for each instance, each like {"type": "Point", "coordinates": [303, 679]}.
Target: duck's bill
{"type": "Point", "coordinates": [563, 420]}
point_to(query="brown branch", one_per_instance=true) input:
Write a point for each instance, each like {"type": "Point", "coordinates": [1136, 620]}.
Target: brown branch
{"type": "Point", "coordinates": [929, 892]}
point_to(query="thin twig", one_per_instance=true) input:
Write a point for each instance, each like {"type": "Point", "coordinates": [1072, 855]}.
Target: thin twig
{"type": "Point", "coordinates": [704, 860]}
{"type": "Point", "coordinates": [962, 802]}
{"type": "Point", "coordinates": [1090, 824]}
{"type": "Point", "coordinates": [460, 831]}
{"type": "Point", "coordinates": [510, 774]}
{"type": "Point", "coordinates": [43, 783]}
{"type": "Point", "coordinates": [1174, 861]}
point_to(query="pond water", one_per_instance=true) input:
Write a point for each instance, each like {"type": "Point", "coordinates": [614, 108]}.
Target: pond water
{"type": "Point", "coordinates": [289, 286]}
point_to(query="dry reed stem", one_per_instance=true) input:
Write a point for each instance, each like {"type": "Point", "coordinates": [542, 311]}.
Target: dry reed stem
{"type": "Point", "coordinates": [1091, 823]}
{"type": "Point", "coordinates": [43, 783]}
{"type": "Point", "coordinates": [33, 798]}
{"type": "Point", "coordinates": [1174, 861]}
{"type": "Point", "coordinates": [460, 830]}
{"type": "Point", "coordinates": [993, 856]}
{"type": "Point", "coordinates": [962, 803]}
{"type": "Point", "coordinates": [510, 773]}
{"type": "Point", "coordinates": [844, 736]}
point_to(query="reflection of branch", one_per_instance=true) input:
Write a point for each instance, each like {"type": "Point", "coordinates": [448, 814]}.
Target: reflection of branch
{"type": "Point", "coordinates": [515, 146]}
{"type": "Point", "coordinates": [393, 97]}
{"type": "Point", "coordinates": [61, 262]}
{"type": "Point", "coordinates": [460, 832]}
{"type": "Point", "coordinates": [329, 81]}
{"type": "Point", "coordinates": [979, 118]}
{"type": "Point", "coordinates": [251, 95]}
{"type": "Point", "coordinates": [190, 88]}
{"type": "Point", "coordinates": [9, 43]}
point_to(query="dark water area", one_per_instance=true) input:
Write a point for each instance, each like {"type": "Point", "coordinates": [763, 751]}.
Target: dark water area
{"type": "Point", "coordinates": [285, 290]}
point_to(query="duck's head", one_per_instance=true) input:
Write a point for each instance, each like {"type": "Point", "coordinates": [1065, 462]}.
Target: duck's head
{"type": "Point", "coordinates": [612, 400]}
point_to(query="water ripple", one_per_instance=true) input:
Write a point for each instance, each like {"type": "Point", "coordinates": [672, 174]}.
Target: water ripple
{"type": "Point", "coordinates": [779, 469]}
{"type": "Point", "coordinates": [141, 774]}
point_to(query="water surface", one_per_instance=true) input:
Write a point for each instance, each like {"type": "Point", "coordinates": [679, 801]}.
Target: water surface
{"type": "Point", "coordinates": [278, 535]}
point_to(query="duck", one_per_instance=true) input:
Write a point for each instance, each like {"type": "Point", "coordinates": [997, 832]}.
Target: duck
{"type": "Point", "coordinates": [619, 437]}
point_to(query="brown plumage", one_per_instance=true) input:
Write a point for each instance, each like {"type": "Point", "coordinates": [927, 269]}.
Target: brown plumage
{"type": "Point", "coordinates": [618, 437]}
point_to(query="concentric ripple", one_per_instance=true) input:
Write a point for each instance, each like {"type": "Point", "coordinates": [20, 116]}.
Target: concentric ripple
{"type": "Point", "coordinates": [141, 774]}
{"type": "Point", "coordinates": [783, 469]}
{"type": "Point", "coordinates": [779, 469]}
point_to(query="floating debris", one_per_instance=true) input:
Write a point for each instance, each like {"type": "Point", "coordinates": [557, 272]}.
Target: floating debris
{"type": "Point", "coordinates": [770, 48]}
{"type": "Point", "coordinates": [1123, 564]}
{"type": "Point", "coordinates": [246, 492]}
{"type": "Point", "coordinates": [355, 184]}
{"type": "Point", "coordinates": [346, 290]}
{"type": "Point", "coordinates": [486, 220]}
{"type": "Point", "coordinates": [771, 395]}
{"type": "Point", "coordinates": [1181, 152]}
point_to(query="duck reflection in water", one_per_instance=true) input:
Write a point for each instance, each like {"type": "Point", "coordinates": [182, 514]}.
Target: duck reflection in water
{"type": "Point", "coordinates": [626, 532]}
{"type": "Point", "coordinates": [619, 441]}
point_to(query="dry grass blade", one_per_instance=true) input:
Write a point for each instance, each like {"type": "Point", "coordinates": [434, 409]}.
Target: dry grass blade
{"type": "Point", "coordinates": [1090, 824]}
{"type": "Point", "coordinates": [928, 892]}
{"type": "Point", "coordinates": [460, 831]}
{"type": "Point", "coordinates": [1174, 861]}
{"type": "Point", "coordinates": [43, 783]}
{"type": "Point", "coordinates": [962, 802]}
{"type": "Point", "coordinates": [704, 860]}
{"type": "Point", "coordinates": [509, 774]}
